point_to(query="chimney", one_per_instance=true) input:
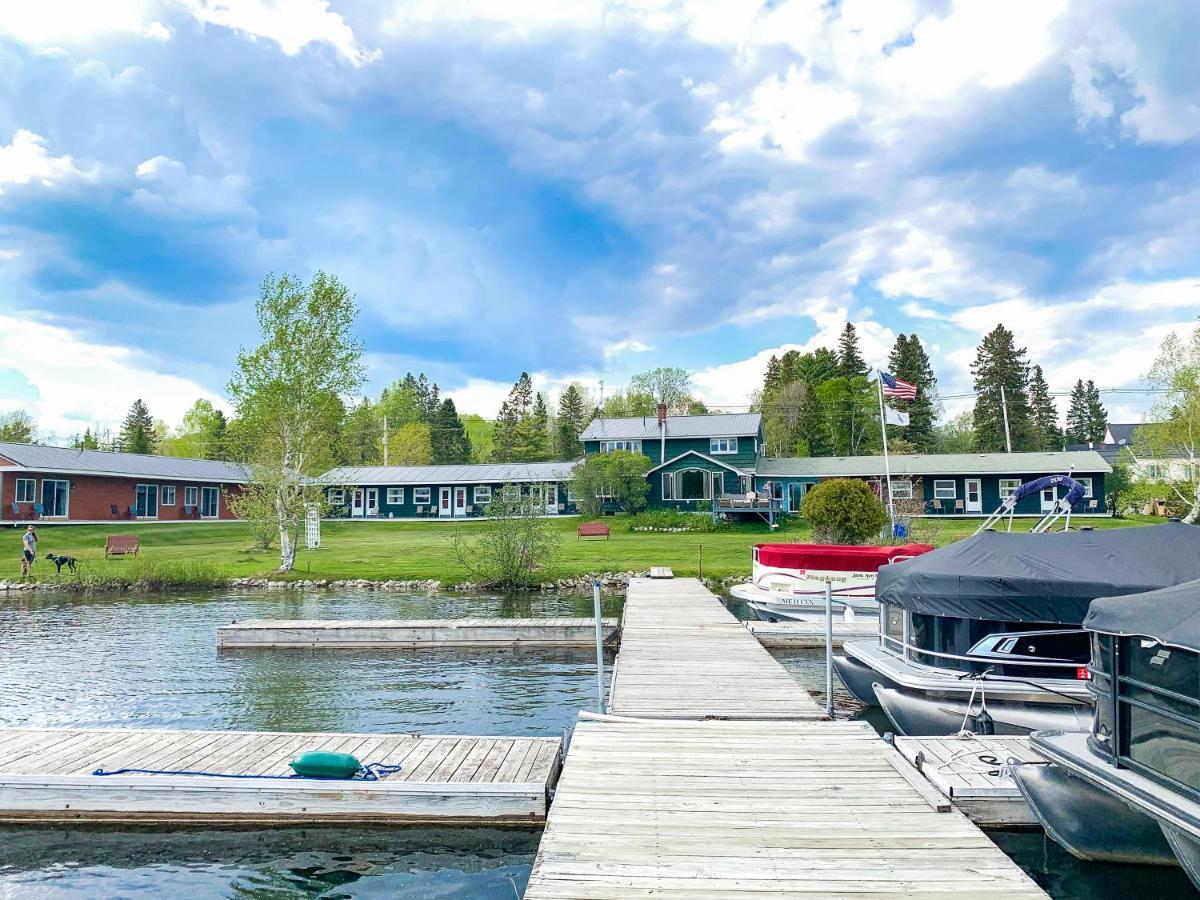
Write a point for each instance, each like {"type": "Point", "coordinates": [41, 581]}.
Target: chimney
{"type": "Point", "coordinates": [662, 433]}
{"type": "Point", "coordinates": [662, 414]}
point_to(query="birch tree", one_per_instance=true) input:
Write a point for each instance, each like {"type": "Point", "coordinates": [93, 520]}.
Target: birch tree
{"type": "Point", "coordinates": [1176, 433]}
{"type": "Point", "coordinates": [289, 391]}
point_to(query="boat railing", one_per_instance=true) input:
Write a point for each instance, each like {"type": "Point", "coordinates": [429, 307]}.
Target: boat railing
{"type": "Point", "coordinates": [906, 651]}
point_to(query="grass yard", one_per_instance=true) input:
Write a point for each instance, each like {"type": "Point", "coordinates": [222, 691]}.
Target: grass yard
{"type": "Point", "coordinates": [382, 550]}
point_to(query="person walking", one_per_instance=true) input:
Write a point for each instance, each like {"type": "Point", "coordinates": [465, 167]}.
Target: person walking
{"type": "Point", "coordinates": [28, 550]}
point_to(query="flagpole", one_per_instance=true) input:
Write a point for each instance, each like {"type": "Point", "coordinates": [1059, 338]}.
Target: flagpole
{"type": "Point", "coordinates": [887, 466]}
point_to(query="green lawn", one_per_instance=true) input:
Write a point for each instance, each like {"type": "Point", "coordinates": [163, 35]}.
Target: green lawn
{"type": "Point", "coordinates": [420, 550]}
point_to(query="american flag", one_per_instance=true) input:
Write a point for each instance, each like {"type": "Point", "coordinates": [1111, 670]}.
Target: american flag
{"type": "Point", "coordinates": [894, 387]}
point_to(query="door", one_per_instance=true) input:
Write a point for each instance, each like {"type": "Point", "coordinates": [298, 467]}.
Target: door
{"type": "Point", "coordinates": [54, 497]}
{"type": "Point", "coordinates": [145, 501]}
{"type": "Point", "coordinates": [974, 492]}
{"type": "Point", "coordinates": [718, 485]}
{"type": "Point", "coordinates": [550, 497]}
{"type": "Point", "coordinates": [445, 510]}
{"type": "Point", "coordinates": [797, 492]}
{"type": "Point", "coordinates": [1049, 498]}
{"type": "Point", "coordinates": [460, 501]}
{"type": "Point", "coordinates": [372, 502]}
{"type": "Point", "coordinates": [358, 504]}
{"type": "Point", "coordinates": [210, 503]}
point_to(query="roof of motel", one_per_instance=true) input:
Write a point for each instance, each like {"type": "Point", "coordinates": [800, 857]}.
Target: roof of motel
{"type": "Point", "coordinates": [1049, 463]}
{"type": "Point", "coordinates": [485, 473]}
{"type": "Point", "coordinates": [69, 461]}
{"type": "Point", "coordinates": [646, 427]}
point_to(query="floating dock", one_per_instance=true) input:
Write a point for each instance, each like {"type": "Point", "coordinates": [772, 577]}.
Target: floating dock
{"type": "Point", "coordinates": [972, 774]}
{"type": "Point", "coordinates": [728, 782]}
{"type": "Point", "coordinates": [413, 634]}
{"type": "Point", "coordinates": [46, 776]}
{"type": "Point", "coordinates": [811, 635]}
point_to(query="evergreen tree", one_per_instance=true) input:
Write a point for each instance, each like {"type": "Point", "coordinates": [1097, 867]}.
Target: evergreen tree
{"type": "Point", "coordinates": [448, 437]}
{"type": "Point", "coordinates": [1000, 364]}
{"type": "Point", "coordinates": [514, 411]}
{"type": "Point", "coordinates": [908, 361]}
{"type": "Point", "coordinates": [402, 402]}
{"type": "Point", "coordinates": [1097, 416]}
{"type": "Point", "coordinates": [1043, 414]}
{"type": "Point", "coordinates": [137, 431]}
{"type": "Point", "coordinates": [850, 361]}
{"type": "Point", "coordinates": [89, 441]}
{"type": "Point", "coordinates": [533, 434]}
{"type": "Point", "coordinates": [1078, 425]}
{"type": "Point", "coordinates": [570, 424]}
{"type": "Point", "coordinates": [362, 436]}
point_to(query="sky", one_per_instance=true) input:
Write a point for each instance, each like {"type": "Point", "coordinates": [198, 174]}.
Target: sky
{"type": "Point", "coordinates": [586, 189]}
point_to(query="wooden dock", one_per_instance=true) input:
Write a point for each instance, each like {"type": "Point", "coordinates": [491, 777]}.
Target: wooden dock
{"type": "Point", "coordinates": [46, 776]}
{"type": "Point", "coordinates": [412, 634]}
{"type": "Point", "coordinates": [701, 799]}
{"type": "Point", "coordinates": [971, 774]}
{"type": "Point", "coordinates": [685, 656]}
{"type": "Point", "coordinates": [811, 635]}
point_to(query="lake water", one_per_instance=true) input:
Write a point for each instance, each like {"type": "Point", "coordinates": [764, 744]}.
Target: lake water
{"type": "Point", "coordinates": [152, 662]}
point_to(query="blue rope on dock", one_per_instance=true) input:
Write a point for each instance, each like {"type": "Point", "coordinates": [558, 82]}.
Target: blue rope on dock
{"type": "Point", "coordinates": [369, 772]}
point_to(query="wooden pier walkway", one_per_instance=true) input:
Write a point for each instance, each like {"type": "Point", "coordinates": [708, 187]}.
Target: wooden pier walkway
{"type": "Point", "coordinates": [410, 634]}
{"type": "Point", "coordinates": [685, 656]}
{"type": "Point", "coordinates": [699, 799]}
{"type": "Point", "coordinates": [46, 775]}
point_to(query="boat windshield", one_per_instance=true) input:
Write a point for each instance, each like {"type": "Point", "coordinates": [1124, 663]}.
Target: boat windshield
{"type": "Point", "coordinates": [1152, 725]}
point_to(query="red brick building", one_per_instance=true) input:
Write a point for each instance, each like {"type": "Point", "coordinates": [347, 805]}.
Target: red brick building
{"type": "Point", "coordinates": [60, 484]}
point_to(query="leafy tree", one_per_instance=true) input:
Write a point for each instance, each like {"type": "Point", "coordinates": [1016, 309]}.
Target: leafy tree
{"type": "Point", "coordinates": [666, 384]}
{"type": "Point", "coordinates": [17, 427]}
{"type": "Point", "coordinates": [956, 435]}
{"type": "Point", "coordinates": [1000, 364]}
{"type": "Point", "coordinates": [138, 434]}
{"type": "Point", "coordinates": [626, 404]}
{"type": "Point", "coordinates": [619, 476]}
{"type": "Point", "coordinates": [850, 361]}
{"type": "Point", "coordinates": [570, 424]}
{"type": "Point", "coordinates": [794, 419]}
{"type": "Point", "coordinates": [362, 435]}
{"type": "Point", "coordinates": [843, 511]}
{"type": "Point", "coordinates": [448, 437]}
{"type": "Point", "coordinates": [410, 445]}
{"type": "Point", "coordinates": [403, 401]}
{"type": "Point", "coordinates": [908, 361]}
{"type": "Point", "coordinates": [850, 413]}
{"type": "Point", "coordinates": [480, 434]}
{"type": "Point", "coordinates": [1043, 414]}
{"type": "Point", "coordinates": [289, 388]}
{"type": "Point", "coordinates": [1118, 484]}
{"type": "Point", "coordinates": [255, 503]}
{"type": "Point", "coordinates": [1176, 434]}
{"type": "Point", "coordinates": [512, 545]}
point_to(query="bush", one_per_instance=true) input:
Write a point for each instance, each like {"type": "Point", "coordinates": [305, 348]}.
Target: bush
{"type": "Point", "coordinates": [512, 544]}
{"type": "Point", "coordinates": [620, 476]}
{"type": "Point", "coordinates": [674, 520]}
{"type": "Point", "coordinates": [843, 511]}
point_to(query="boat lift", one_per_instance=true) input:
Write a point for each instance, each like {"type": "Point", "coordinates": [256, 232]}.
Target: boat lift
{"type": "Point", "coordinates": [1062, 505]}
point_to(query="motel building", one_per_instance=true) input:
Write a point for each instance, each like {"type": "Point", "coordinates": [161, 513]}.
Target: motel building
{"type": "Point", "coordinates": [443, 492]}
{"type": "Point", "coordinates": [60, 484]}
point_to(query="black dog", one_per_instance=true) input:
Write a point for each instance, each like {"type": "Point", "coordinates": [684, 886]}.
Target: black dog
{"type": "Point", "coordinates": [60, 561]}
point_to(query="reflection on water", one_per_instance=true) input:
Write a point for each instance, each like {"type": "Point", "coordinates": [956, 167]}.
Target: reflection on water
{"type": "Point", "coordinates": [274, 863]}
{"type": "Point", "coordinates": [153, 662]}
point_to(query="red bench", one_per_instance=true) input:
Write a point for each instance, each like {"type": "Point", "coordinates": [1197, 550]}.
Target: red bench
{"type": "Point", "coordinates": [121, 545]}
{"type": "Point", "coordinates": [593, 529]}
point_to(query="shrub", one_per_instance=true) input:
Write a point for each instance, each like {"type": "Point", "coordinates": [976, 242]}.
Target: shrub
{"type": "Point", "coordinates": [620, 476]}
{"type": "Point", "coordinates": [843, 511]}
{"type": "Point", "coordinates": [512, 544]}
{"type": "Point", "coordinates": [674, 520]}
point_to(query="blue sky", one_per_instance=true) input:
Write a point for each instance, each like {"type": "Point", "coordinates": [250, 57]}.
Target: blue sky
{"type": "Point", "coordinates": [585, 189]}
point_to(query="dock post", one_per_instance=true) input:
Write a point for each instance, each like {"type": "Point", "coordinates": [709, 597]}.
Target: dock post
{"type": "Point", "coordinates": [829, 648]}
{"type": "Point", "coordinates": [599, 648]}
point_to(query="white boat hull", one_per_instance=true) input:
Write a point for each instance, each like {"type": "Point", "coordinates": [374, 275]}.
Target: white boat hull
{"type": "Point", "coordinates": [774, 606]}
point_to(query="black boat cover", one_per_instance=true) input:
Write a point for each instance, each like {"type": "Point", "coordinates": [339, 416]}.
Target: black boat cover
{"type": "Point", "coordinates": [1170, 615]}
{"type": "Point", "coordinates": [1041, 577]}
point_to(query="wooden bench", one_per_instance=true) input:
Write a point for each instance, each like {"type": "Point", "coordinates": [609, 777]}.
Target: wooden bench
{"type": "Point", "coordinates": [122, 545]}
{"type": "Point", "coordinates": [593, 529]}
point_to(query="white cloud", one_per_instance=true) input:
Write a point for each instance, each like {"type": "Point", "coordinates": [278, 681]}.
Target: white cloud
{"type": "Point", "coordinates": [26, 159]}
{"type": "Point", "coordinates": [81, 383]}
{"type": "Point", "coordinates": [483, 396]}
{"type": "Point", "coordinates": [172, 190]}
{"type": "Point", "coordinates": [292, 25]}
{"type": "Point", "coordinates": [50, 22]}
{"type": "Point", "coordinates": [630, 345]}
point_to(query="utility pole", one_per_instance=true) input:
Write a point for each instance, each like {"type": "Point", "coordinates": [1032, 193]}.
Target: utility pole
{"type": "Point", "coordinates": [385, 441]}
{"type": "Point", "coordinates": [1004, 409]}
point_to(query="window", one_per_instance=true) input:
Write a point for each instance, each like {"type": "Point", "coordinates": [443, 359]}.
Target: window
{"type": "Point", "coordinates": [26, 490]}
{"type": "Point", "coordinates": [54, 497]}
{"type": "Point", "coordinates": [944, 490]}
{"type": "Point", "coordinates": [718, 484]}
{"type": "Point", "coordinates": [610, 446]}
{"type": "Point", "coordinates": [691, 484]}
{"type": "Point", "coordinates": [421, 495]}
{"type": "Point", "coordinates": [1156, 472]}
{"type": "Point", "coordinates": [668, 486]}
{"type": "Point", "coordinates": [1087, 487]}
{"type": "Point", "coordinates": [168, 495]}
{"type": "Point", "coordinates": [722, 445]}
{"type": "Point", "coordinates": [901, 488]}
{"type": "Point", "coordinates": [337, 496]}
{"type": "Point", "coordinates": [1008, 487]}
{"type": "Point", "coordinates": [210, 503]}
{"type": "Point", "coordinates": [145, 504]}
{"type": "Point", "coordinates": [483, 493]}
{"type": "Point", "coordinates": [395, 496]}
{"type": "Point", "coordinates": [572, 497]}
{"type": "Point", "coordinates": [191, 495]}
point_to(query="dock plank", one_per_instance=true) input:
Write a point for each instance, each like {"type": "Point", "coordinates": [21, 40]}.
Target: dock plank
{"type": "Point", "coordinates": [413, 634]}
{"type": "Point", "coordinates": [45, 775]}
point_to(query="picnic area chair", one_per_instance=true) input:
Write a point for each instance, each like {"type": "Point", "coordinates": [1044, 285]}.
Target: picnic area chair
{"type": "Point", "coordinates": [38, 510]}
{"type": "Point", "coordinates": [593, 529]}
{"type": "Point", "coordinates": [959, 506]}
{"type": "Point", "coordinates": [115, 511]}
{"type": "Point", "coordinates": [122, 545]}
{"type": "Point", "coordinates": [132, 513]}
{"type": "Point", "coordinates": [17, 514]}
